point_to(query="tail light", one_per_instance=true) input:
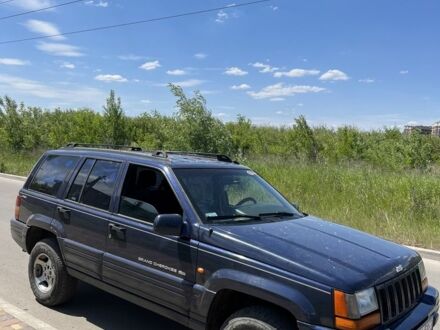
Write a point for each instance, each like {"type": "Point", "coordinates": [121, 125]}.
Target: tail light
{"type": "Point", "coordinates": [17, 207]}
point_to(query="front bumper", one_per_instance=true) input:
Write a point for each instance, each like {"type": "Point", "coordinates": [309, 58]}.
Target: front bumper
{"type": "Point", "coordinates": [427, 308]}
{"type": "Point", "coordinates": [18, 233]}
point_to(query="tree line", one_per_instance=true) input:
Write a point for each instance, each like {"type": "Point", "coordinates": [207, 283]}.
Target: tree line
{"type": "Point", "coordinates": [193, 127]}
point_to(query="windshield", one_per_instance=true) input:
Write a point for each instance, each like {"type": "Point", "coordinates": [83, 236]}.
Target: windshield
{"type": "Point", "coordinates": [233, 195]}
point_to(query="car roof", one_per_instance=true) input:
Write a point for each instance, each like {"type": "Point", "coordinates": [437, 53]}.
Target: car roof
{"type": "Point", "coordinates": [162, 159]}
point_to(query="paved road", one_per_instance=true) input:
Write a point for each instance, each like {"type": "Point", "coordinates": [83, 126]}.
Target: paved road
{"type": "Point", "coordinates": [91, 308]}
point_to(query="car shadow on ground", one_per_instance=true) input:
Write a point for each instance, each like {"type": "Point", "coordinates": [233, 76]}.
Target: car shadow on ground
{"type": "Point", "coordinates": [106, 311]}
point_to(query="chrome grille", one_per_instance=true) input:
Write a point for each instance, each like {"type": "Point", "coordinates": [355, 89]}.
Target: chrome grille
{"type": "Point", "coordinates": [399, 295]}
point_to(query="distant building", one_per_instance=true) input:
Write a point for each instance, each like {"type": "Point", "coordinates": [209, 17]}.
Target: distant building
{"type": "Point", "coordinates": [426, 130]}
{"type": "Point", "coordinates": [435, 130]}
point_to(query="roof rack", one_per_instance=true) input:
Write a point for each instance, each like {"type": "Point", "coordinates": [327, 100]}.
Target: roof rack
{"type": "Point", "coordinates": [219, 157]}
{"type": "Point", "coordinates": [104, 146]}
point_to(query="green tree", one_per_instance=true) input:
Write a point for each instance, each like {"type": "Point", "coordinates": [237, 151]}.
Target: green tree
{"type": "Point", "coordinates": [114, 121]}
{"type": "Point", "coordinates": [242, 135]}
{"type": "Point", "coordinates": [303, 141]}
{"type": "Point", "coordinates": [12, 123]}
{"type": "Point", "coordinates": [199, 130]}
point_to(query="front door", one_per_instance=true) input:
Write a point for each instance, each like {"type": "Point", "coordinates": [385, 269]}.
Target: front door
{"type": "Point", "coordinates": [84, 213]}
{"type": "Point", "coordinates": [158, 268]}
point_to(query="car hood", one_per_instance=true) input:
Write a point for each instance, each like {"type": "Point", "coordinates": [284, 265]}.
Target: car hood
{"type": "Point", "coordinates": [331, 254]}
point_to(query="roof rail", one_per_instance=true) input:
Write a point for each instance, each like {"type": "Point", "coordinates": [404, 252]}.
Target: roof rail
{"type": "Point", "coordinates": [104, 146]}
{"type": "Point", "coordinates": [219, 157]}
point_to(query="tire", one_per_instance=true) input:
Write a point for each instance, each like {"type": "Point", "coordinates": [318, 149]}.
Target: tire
{"type": "Point", "coordinates": [258, 318]}
{"type": "Point", "coordinates": [48, 277]}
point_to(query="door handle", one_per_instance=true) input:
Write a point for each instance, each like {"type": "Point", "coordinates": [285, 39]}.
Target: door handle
{"type": "Point", "coordinates": [116, 232]}
{"type": "Point", "coordinates": [63, 210]}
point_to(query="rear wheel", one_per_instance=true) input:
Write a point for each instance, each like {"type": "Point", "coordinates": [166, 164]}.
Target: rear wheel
{"type": "Point", "coordinates": [258, 318]}
{"type": "Point", "coordinates": [48, 277]}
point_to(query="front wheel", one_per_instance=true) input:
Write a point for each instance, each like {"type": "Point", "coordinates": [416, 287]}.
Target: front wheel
{"type": "Point", "coordinates": [258, 318]}
{"type": "Point", "coordinates": [48, 277]}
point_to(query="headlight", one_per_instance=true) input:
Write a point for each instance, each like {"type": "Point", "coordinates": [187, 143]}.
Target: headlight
{"type": "Point", "coordinates": [366, 301]}
{"type": "Point", "coordinates": [355, 311]}
{"type": "Point", "coordinates": [423, 276]}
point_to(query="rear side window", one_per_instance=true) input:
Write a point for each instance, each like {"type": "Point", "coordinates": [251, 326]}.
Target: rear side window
{"type": "Point", "coordinates": [77, 186]}
{"type": "Point", "coordinates": [100, 184]}
{"type": "Point", "coordinates": [52, 173]}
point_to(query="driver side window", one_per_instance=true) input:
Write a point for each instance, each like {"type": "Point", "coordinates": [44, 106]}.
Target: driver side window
{"type": "Point", "coordinates": [146, 193]}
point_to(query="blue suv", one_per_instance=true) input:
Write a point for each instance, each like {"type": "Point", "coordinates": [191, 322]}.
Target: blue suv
{"type": "Point", "coordinates": [207, 242]}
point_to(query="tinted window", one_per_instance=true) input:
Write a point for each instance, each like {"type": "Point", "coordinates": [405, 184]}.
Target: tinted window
{"type": "Point", "coordinates": [52, 173]}
{"type": "Point", "coordinates": [146, 193]}
{"type": "Point", "coordinates": [100, 184]}
{"type": "Point", "coordinates": [80, 180]}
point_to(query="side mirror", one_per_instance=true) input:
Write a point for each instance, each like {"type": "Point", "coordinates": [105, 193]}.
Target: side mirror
{"type": "Point", "coordinates": [168, 224]}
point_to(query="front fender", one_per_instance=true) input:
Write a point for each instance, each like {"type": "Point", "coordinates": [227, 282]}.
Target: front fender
{"type": "Point", "coordinates": [266, 289]}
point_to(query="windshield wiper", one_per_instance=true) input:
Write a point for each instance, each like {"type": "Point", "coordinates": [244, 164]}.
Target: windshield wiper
{"type": "Point", "coordinates": [233, 216]}
{"type": "Point", "coordinates": [277, 214]}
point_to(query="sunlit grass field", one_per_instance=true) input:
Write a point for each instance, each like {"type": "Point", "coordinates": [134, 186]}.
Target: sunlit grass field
{"type": "Point", "coordinates": [402, 206]}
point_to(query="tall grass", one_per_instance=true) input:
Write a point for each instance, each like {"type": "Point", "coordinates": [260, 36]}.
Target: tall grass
{"type": "Point", "coordinates": [400, 206]}
{"type": "Point", "coordinates": [18, 163]}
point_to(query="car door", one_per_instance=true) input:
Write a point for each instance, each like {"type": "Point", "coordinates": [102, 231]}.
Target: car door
{"type": "Point", "coordinates": [158, 268]}
{"type": "Point", "coordinates": [84, 214]}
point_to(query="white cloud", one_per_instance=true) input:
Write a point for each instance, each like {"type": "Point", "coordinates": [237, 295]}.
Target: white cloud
{"type": "Point", "coordinates": [296, 73]}
{"type": "Point", "coordinates": [404, 72]}
{"type": "Point", "coordinates": [200, 56]}
{"type": "Point", "coordinates": [367, 81]}
{"type": "Point", "coordinates": [96, 3]}
{"type": "Point", "coordinates": [44, 28]}
{"type": "Point", "coordinates": [277, 99]}
{"type": "Point", "coordinates": [334, 75]}
{"type": "Point", "coordinates": [13, 61]}
{"type": "Point", "coordinates": [274, 8]}
{"type": "Point", "coordinates": [152, 65]}
{"type": "Point", "coordinates": [67, 93]}
{"type": "Point", "coordinates": [240, 87]}
{"type": "Point", "coordinates": [110, 78]}
{"type": "Point", "coordinates": [222, 16]}
{"type": "Point", "coordinates": [131, 57]}
{"type": "Point", "coordinates": [146, 101]}
{"type": "Point", "coordinates": [177, 72]}
{"type": "Point", "coordinates": [189, 83]}
{"type": "Point", "coordinates": [234, 71]}
{"type": "Point", "coordinates": [264, 68]}
{"type": "Point", "coordinates": [60, 49]}
{"type": "Point", "coordinates": [32, 4]}
{"type": "Point", "coordinates": [67, 65]}
{"type": "Point", "coordinates": [281, 90]}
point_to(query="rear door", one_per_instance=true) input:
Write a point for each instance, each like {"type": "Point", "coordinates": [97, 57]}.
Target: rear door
{"type": "Point", "coordinates": [158, 268]}
{"type": "Point", "coordinates": [84, 214]}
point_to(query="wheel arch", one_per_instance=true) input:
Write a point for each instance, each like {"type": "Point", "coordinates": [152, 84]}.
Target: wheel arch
{"type": "Point", "coordinates": [39, 227]}
{"type": "Point", "coordinates": [232, 285]}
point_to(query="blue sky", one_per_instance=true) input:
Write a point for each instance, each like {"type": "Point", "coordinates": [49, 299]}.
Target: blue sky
{"type": "Point", "coordinates": [365, 63]}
